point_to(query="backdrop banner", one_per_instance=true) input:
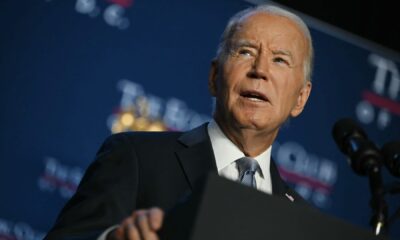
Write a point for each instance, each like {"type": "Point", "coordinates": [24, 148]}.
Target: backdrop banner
{"type": "Point", "coordinates": [74, 72]}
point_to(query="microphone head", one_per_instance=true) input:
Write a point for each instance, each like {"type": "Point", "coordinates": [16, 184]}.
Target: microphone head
{"type": "Point", "coordinates": [343, 129]}
{"type": "Point", "coordinates": [362, 154]}
{"type": "Point", "coordinates": [391, 156]}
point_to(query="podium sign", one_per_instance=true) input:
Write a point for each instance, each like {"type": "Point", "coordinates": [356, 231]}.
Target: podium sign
{"type": "Point", "coordinates": [223, 209]}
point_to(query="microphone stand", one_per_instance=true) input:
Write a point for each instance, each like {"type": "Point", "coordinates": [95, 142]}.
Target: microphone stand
{"type": "Point", "coordinates": [377, 202]}
{"type": "Point", "coordinates": [366, 159]}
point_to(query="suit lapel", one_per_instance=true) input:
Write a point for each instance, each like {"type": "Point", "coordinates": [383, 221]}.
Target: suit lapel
{"type": "Point", "coordinates": [278, 186]}
{"type": "Point", "coordinates": [197, 157]}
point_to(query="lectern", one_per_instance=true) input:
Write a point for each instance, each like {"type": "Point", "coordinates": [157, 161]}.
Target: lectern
{"type": "Point", "coordinates": [220, 209]}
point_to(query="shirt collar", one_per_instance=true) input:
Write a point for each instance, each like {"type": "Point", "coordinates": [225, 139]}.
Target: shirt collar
{"type": "Point", "coordinates": [226, 152]}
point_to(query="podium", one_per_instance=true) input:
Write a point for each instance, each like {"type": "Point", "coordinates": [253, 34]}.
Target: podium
{"type": "Point", "coordinates": [220, 209]}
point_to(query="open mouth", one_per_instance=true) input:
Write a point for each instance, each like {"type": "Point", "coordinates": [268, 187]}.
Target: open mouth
{"type": "Point", "coordinates": [254, 96]}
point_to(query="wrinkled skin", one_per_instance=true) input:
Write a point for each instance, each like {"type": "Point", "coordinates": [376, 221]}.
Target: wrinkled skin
{"type": "Point", "coordinates": [261, 81]}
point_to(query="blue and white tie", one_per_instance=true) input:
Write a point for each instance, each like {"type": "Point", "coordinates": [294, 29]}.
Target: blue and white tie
{"type": "Point", "coordinates": [247, 169]}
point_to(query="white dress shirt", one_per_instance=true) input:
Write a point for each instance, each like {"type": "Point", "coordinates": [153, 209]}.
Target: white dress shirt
{"type": "Point", "coordinates": [226, 153]}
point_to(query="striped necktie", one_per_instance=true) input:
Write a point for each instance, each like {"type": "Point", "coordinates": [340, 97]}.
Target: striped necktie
{"type": "Point", "coordinates": [247, 169]}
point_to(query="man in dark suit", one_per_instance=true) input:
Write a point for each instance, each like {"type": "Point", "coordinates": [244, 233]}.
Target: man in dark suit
{"type": "Point", "coordinates": [260, 78]}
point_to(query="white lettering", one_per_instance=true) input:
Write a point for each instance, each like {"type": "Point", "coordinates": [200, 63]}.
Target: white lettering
{"type": "Point", "coordinates": [23, 231]}
{"type": "Point", "coordinates": [320, 199]}
{"type": "Point", "coordinates": [173, 112]}
{"type": "Point", "coordinates": [304, 190]}
{"type": "Point", "coordinates": [57, 176]}
{"type": "Point", "coordinates": [291, 155]}
{"type": "Point", "coordinates": [327, 172]}
{"type": "Point", "coordinates": [384, 118]}
{"type": "Point", "coordinates": [155, 107]}
{"type": "Point", "coordinates": [130, 91]}
{"type": "Point", "coordinates": [384, 67]}
{"type": "Point", "coordinates": [294, 158]}
{"type": "Point", "coordinates": [365, 112]}
{"type": "Point", "coordinates": [85, 6]}
{"type": "Point", "coordinates": [19, 231]}
{"type": "Point", "coordinates": [4, 227]}
{"type": "Point", "coordinates": [197, 120]}
{"type": "Point", "coordinates": [175, 116]}
{"type": "Point", "coordinates": [113, 15]}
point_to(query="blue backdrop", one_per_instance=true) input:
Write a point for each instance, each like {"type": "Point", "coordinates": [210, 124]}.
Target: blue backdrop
{"type": "Point", "coordinates": [73, 72]}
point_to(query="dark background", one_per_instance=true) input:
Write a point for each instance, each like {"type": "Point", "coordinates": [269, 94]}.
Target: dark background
{"type": "Point", "coordinates": [60, 75]}
{"type": "Point", "coordinates": [377, 21]}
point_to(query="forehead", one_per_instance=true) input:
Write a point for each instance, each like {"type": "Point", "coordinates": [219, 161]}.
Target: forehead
{"type": "Point", "coordinates": [273, 31]}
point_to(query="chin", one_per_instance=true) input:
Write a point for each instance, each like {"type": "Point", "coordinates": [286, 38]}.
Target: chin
{"type": "Point", "coordinates": [251, 122]}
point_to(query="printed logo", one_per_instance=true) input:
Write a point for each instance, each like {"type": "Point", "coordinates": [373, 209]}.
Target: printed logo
{"type": "Point", "coordinates": [380, 102]}
{"type": "Point", "coordinates": [313, 176]}
{"type": "Point", "coordinates": [58, 177]}
{"type": "Point", "coordinates": [18, 231]}
{"type": "Point", "coordinates": [140, 111]}
{"type": "Point", "coordinates": [113, 13]}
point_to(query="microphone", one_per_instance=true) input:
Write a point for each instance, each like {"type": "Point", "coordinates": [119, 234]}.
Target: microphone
{"type": "Point", "coordinates": [365, 159]}
{"type": "Point", "coordinates": [362, 154]}
{"type": "Point", "coordinates": [391, 156]}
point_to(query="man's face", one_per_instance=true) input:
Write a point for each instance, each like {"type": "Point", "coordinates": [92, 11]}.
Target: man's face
{"type": "Point", "coordinates": [261, 81]}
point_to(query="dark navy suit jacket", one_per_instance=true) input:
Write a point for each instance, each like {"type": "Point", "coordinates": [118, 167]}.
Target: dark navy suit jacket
{"type": "Point", "coordinates": [140, 170]}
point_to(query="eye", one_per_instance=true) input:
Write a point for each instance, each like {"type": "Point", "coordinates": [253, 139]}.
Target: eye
{"type": "Point", "coordinates": [280, 60]}
{"type": "Point", "coordinates": [245, 52]}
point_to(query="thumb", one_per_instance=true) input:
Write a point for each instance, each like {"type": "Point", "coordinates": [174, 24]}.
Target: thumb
{"type": "Point", "coordinates": [156, 217]}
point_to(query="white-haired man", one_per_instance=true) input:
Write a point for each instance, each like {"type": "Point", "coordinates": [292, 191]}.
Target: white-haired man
{"type": "Point", "coordinates": [260, 77]}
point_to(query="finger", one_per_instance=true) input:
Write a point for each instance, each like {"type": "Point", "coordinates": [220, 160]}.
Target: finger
{"type": "Point", "coordinates": [142, 221]}
{"type": "Point", "coordinates": [156, 217]}
{"type": "Point", "coordinates": [131, 232]}
{"type": "Point", "coordinates": [115, 234]}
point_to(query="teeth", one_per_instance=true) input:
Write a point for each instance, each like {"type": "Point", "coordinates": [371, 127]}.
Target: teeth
{"type": "Point", "coordinates": [254, 99]}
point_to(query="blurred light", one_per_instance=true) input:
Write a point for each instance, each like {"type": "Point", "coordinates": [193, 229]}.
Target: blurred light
{"type": "Point", "coordinates": [127, 119]}
{"type": "Point", "coordinates": [141, 124]}
{"type": "Point", "coordinates": [117, 127]}
{"type": "Point", "coordinates": [156, 127]}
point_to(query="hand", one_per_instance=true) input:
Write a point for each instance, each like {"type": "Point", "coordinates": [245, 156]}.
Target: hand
{"type": "Point", "coordinates": [141, 225]}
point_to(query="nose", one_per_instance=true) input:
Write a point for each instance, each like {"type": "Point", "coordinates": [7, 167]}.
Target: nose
{"type": "Point", "coordinates": [259, 68]}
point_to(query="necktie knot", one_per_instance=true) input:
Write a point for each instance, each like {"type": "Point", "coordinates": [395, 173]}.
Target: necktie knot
{"type": "Point", "coordinates": [247, 168]}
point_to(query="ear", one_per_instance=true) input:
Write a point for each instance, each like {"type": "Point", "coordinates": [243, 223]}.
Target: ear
{"type": "Point", "coordinates": [212, 78]}
{"type": "Point", "coordinates": [301, 100]}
